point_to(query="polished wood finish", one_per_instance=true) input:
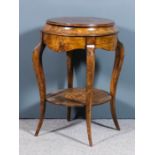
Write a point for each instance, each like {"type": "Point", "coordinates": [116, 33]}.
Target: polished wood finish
{"type": "Point", "coordinates": [67, 34]}
{"type": "Point", "coordinates": [70, 78]}
{"type": "Point", "coordinates": [77, 97]}
{"type": "Point", "coordinates": [90, 47]}
{"type": "Point", "coordinates": [81, 22]}
{"type": "Point", "coordinates": [37, 63]}
{"type": "Point", "coordinates": [77, 31]}
{"type": "Point", "coordinates": [119, 58]}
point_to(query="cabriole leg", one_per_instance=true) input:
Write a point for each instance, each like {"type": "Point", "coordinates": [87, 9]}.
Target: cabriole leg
{"type": "Point", "coordinates": [38, 68]}
{"type": "Point", "coordinates": [119, 57]}
{"type": "Point", "coordinates": [70, 78]}
{"type": "Point", "coordinates": [89, 88]}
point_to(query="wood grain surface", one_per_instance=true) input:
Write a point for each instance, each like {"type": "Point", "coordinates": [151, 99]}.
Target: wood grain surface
{"type": "Point", "coordinates": [66, 34]}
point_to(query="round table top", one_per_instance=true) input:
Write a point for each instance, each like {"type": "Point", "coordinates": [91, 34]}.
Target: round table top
{"type": "Point", "coordinates": [81, 22]}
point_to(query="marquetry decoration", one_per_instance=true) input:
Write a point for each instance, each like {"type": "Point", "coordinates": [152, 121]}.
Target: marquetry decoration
{"type": "Point", "coordinates": [66, 34]}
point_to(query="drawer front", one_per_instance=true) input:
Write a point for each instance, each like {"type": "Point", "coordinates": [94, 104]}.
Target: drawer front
{"type": "Point", "coordinates": [107, 42]}
{"type": "Point", "coordinates": [62, 43]}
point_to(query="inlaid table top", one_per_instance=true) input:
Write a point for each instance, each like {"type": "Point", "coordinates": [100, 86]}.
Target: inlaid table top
{"type": "Point", "coordinates": [80, 26]}
{"type": "Point", "coordinates": [81, 22]}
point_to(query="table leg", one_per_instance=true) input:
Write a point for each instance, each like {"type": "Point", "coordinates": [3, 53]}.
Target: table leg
{"type": "Point", "coordinates": [37, 63]}
{"type": "Point", "coordinates": [70, 78]}
{"type": "Point", "coordinates": [119, 58]}
{"type": "Point", "coordinates": [89, 86]}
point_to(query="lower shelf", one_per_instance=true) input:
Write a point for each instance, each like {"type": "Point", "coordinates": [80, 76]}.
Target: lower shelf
{"type": "Point", "coordinates": [77, 97]}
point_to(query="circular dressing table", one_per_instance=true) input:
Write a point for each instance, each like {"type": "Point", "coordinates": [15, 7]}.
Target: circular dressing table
{"type": "Point", "coordinates": [67, 34]}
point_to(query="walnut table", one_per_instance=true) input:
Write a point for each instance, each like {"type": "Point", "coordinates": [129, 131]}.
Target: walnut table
{"type": "Point", "coordinates": [68, 34]}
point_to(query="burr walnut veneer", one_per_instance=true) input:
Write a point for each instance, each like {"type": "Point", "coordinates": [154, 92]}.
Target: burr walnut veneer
{"type": "Point", "coordinates": [68, 34]}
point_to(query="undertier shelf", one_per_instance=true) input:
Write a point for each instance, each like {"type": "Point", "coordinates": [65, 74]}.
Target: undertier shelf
{"type": "Point", "coordinates": [77, 97]}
